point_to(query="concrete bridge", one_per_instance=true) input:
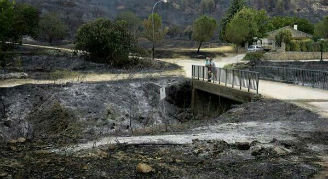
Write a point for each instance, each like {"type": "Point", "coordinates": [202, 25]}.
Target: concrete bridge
{"type": "Point", "coordinates": [215, 92]}
{"type": "Point", "coordinates": [238, 86]}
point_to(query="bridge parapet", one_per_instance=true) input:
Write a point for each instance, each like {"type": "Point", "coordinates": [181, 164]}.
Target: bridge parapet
{"type": "Point", "coordinates": [241, 79]}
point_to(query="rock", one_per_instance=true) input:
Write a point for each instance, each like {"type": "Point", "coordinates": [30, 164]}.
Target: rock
{"type": "Point", "coordinates": [281, 150]}
{"type": "Point", "coordinates": [85, 167]}
{"type": "Point", "coordinates": [144, 168]}
{"type": "Point", "coordinates": [111, 147]}
{"type": "Point", "coordinates": [3, 174]}
{"type": "Point", "coordinates": [21, 140]}
{"type": "Point", "coordinates": [13, 148]}
{"type": "Point", "coordinates": [102, 154]}
{"type": "Point", "coordinates": [243, 145]}
{"type": "Point", "coordinates": [12, 141]}
{"type": "Point", "coordinates": [256, 150]}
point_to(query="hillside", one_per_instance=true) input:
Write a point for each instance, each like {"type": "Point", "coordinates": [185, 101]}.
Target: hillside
{"type": "Point", "coordinates": [178, 12]}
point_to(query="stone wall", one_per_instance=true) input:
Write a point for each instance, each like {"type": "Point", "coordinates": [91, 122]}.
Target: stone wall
{"type": "Point", "coordinates": [294, 56]}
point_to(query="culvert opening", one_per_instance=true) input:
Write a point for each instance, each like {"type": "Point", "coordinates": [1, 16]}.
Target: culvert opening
{"type": "Point", "coordinates": [207, 105]}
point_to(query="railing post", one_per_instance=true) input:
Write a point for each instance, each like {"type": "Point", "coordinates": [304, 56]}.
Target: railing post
{"type": "Point", "coordinates": [203, 73]}
{"type": "Point", "coordinates": [240, 79]}
{"type": "Point", "coordinates": [192, 72]}
{"type": "Point", "coordinates": [249, 82]}
{"type": "Point", "coordinates": [220, 75]}
{"type": "Point", "coordinates": [257, 82]}
{"type": "Point", "coordinates": [233, 78]}
{"type": "Point", "coordinates": [226, 75]}
{"type": "Point", "coordinates": [198, 71]}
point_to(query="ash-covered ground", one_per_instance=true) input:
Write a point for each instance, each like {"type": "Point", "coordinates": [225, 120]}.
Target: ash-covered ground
{"type": "Point", "coordinates": [303, 156]}
{"type": "Point", "coordinates": [91, 109]}
{"type": "Point", "coordinates": [40, 126]}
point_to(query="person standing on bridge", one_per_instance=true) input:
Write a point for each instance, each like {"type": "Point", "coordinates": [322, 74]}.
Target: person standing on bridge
{"type": "Point", "coordinates": [213, 69]}
{"type": "Point", "coordinates": [209, 68]}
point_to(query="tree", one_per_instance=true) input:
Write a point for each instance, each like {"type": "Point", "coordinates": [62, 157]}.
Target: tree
{"type": "Point", "coordinates": [27, 20]}
{"type": "Point", "coordinates": [321, 29]}
{"type": "Point", "coordinates": [16, 20]}
{"type": "Point", "coordinates": [133, 22]}
{"type": "Point", "coordinates": [284, 36]}
{"type": "Point", "coordinates": [52, 28]}
{"type": "Point", "coordinates": [154, 32]}
{"type": "Point", "coordinates": [106, 41]}
{"type": "Point", "coordinates": [174, 31]}
{"type": "Point", "coordinates": [203, 29]}
{"type": "Point", "coordinates": [7, 16]}
{"type": "Point", "coordinates": [244, 26]}
{"type": "Point", "coordinates": [234, 8]}
{"type": "Point", "coordinates": [207, 6]}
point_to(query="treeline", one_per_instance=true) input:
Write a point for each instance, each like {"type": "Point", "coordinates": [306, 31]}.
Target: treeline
{"type": "Point", "coordinates": [18, 20]}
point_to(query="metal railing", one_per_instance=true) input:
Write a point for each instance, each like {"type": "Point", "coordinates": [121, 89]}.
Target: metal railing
{"type": "Point", "coordinates": [304, 77]}
{"type": "Point", "coordinates": [234, 78]}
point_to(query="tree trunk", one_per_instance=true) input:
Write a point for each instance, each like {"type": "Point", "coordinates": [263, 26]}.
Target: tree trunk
{"type": "Point", "coordinates": [200, 44]}
{"type": "Point", "coordinates": [153, 49]}
{"type": "Point", "coordinates": [50, 40]}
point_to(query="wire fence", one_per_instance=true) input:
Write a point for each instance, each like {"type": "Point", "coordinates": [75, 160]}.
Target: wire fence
{"type": "Point", "coordinates": [228, 77]}
{"type": "Point", "coordinates": [303, 77]}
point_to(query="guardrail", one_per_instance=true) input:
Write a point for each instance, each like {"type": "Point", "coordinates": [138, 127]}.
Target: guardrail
{"type": "Point", "coordinates": [303, 77]}
{"type": "Point", "coordinates": [234, 78]}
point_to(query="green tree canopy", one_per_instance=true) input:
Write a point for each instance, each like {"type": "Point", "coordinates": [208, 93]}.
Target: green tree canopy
{"type": "Point", "coordinates": [321, 29]}
{"type": "Point", "coordinates": [203, 29]}
{"type": "Point", "coordinates": [132, 20]}
{"type": "Point", "coordinates": [160, 32]}
{"type": "Point", "coordinates": [52, 28]}
{"type": "Point", "coordinates": [154, 32]}
{"type": "Point", "coordinates": [283, 36]}
{"type": "Point", "coordinates": [17, 20]}
{"type": "Point", "coordinates": [27, 20]}
{"type": "Point", "coordinates": [106, 41]}
{"type": "Point", "coordinates": [245, 25]}
{"type": "Point", "coordinates": [235, 7]}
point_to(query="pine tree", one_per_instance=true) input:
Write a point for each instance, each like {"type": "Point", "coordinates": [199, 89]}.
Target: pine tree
{"type": "Point", "coordinates": [234, 8]}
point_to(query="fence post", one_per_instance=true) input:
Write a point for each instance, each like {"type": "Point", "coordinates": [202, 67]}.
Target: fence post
{"type": "Point", "coordinates": [192, 72]}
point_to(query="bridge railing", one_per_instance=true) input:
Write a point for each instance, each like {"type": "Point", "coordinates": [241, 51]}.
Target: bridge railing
{"type": "Point", "coordinates": [304, 77]}
{"type": "Point", "coordinates": [235, 78]}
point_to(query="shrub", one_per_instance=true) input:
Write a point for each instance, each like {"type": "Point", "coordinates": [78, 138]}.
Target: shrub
{"type": "Point", "coordinates": [105, 41]}
{"type": "Point", "coordinates": [303, 46]}
{"type": "Point", "coordinates": [283, 36]}
{"type": "Point", "coordinates": [309, 46]}
{"type": "Point", "coordinates": [295, 46]}
{"type": "Point", "coordinates": [253, 56]}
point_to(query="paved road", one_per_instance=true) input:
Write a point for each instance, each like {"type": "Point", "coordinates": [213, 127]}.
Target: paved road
{"type": "Point", "coordinates": [313, 99]}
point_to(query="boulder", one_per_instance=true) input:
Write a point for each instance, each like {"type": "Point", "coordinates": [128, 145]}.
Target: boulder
{"type": "Point", "coordinates": [21, 140]}
{"type": "Point", "coordinates": [144, 168]}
